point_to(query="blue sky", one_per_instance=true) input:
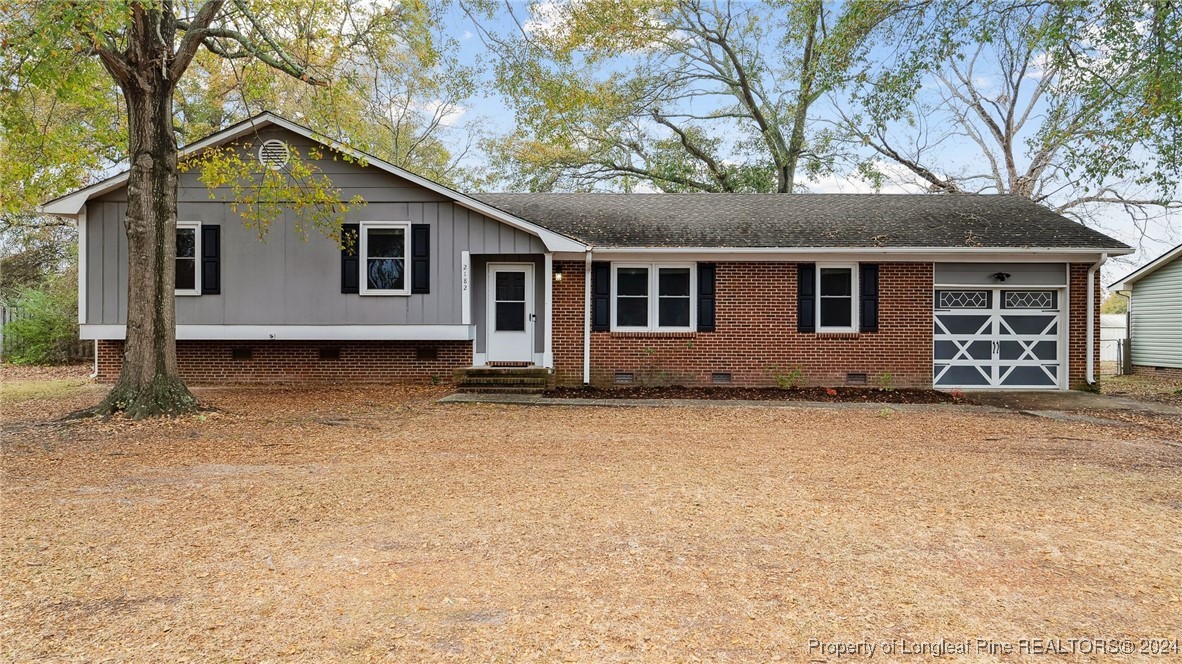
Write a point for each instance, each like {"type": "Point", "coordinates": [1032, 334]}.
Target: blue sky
{"type": "Point", "coordinates": [955, 153]}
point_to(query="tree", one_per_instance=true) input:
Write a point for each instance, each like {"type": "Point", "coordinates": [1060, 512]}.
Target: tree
{"type": "Point", "coordinates": [146, 47]}
{"type": "Point", "coordinates": [697, 95]}
{"type": "Point", "coordinates": [1114, 303]}
{"type": "Point", "coordinates": [1076, 106]}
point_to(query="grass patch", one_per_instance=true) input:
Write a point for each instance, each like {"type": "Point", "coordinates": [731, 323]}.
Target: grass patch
{"type": "Point", "coordinates": [16, 391]}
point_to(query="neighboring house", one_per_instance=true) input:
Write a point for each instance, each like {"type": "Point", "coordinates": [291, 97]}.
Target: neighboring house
{"type": "Point", "coordinates": [1113, 330]}
{"type": "Point", "coordinates": [1155, 314]}
{"type": "Point", "coordinates": [953, 290]}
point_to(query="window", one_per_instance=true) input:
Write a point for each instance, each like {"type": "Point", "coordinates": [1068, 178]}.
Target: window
{"type": "Point", "coordinates": [383, 252]}
{"type": "Point", "coordinates": [836, 285]}
{"type": "Point", "coordinates": [188, 248]}
{"type": "Point", "coordinates": [654, 297]}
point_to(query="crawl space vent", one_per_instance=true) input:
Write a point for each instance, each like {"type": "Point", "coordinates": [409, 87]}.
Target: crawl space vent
{"type": "Point", "coordinates": [624, 378]}
{"type": "Point", "coordinates": [274, 154]}
{"type": "Point", "coordinates": [855, 378]}
{"type": "Point", "coordinates": [330, 353]}
{"type": "Point", "coordinates": [720, 378]}
{"type": "Point", "coordinates": [241, 353]}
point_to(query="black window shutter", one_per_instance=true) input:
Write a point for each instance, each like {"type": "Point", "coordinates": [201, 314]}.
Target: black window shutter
{"type": "Point", "coordinates": [869, 297]}
{"type": "Point", "coordinates": [706, 297]}
{"type": "Point", "coordinates": [806, 297]}
{"type": "Point", "coordinates": [601, 296]}
{"type": "Point", "coordinates": [420, 258]}
{"type": "Point", "coordinates": [211, 259]}
{"type": "Point", "coordinates": [350, 264]}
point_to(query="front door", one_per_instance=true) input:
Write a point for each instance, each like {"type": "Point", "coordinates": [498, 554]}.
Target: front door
{"type": "Point", "coordinates": [510, 314]}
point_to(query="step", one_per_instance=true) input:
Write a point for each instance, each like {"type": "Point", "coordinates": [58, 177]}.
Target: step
{"type": "Point", "coordinates": [539, 372]}
{"type": "Point", "coordinates": [532, 389]}
{"type": "Point", "coordinates": [503, 380]}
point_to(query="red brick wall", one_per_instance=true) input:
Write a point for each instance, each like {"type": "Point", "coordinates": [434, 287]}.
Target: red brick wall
{"type": "Point", "coordinates": [1077, 326]}
{"type": "Point", "coordinates": [1163, 373]}
{"type": "Point", "coordinates": [756, 335]}
{"type": "Point", "coordinates": [299, 361]}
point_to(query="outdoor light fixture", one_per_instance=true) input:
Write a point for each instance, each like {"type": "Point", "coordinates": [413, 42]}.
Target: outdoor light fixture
{"type": "Point", "coordinates": [558, 276]}
{"type": "Point", "coordinates": [1001, 276]}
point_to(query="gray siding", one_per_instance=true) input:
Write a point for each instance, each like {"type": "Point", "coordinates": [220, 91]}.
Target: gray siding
{"type": "Point", "coordinates": [283, 278]}
{"type": "Point", "coordinates": [1156, 318]}
{"type": "Point", "coordinates": [1021, 274]}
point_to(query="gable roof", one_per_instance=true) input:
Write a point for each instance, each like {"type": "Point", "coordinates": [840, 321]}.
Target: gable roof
{"type": "Point", "coordinates": [1148, 269]}
{"type": "Point", "coordinates": [72, 203]}
{"type": "Point", "coordinates": [805, 221]}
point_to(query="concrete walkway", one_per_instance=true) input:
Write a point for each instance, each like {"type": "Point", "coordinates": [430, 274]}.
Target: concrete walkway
{"type": "Point", "coordinates": [1038, 401]}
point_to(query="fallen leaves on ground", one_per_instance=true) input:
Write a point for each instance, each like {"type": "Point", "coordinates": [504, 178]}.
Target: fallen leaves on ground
{"type": "Point", "coordinates": [372, 522]}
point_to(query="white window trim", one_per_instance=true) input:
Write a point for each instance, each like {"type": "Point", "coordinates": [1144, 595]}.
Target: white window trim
{"type": "Point", "coordinates": [196, 290]}
{"type": "Point", "coordinates": [854, 296]}
{"type": "Point", "coordinates": [363, 255]}
{"type": "Point", "coordinates": [654, 297]}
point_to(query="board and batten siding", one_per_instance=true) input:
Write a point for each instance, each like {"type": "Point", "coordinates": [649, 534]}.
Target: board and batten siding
{"type": "Point", "coordinates": [285, 279]}
{"type": "Point", "coordinates": [1156, 318]}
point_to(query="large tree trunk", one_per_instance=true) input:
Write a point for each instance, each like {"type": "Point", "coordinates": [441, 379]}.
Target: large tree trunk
{"type": "Point", "coordinates": [149, 383]}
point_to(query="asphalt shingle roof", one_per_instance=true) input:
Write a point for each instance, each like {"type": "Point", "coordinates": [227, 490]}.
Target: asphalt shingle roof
{"type": "Point", "coordinates": [801, 220]}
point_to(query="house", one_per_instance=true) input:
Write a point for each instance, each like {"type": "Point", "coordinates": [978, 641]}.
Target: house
{"type": "Point", "coordinates": [960, 291]}
{"type": "Point", "coordinates": [1155, 315]}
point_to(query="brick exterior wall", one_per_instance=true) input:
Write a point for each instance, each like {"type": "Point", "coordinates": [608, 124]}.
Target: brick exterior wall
{"type": "Point", "coordinates": [1077, 326]}
{"type": "Point", "coordinates": [756, 337]}
{"type": "Point", "coordinates": [1163, 373]}
{"type": "Point", "coordinates": [755, 340]}
{"type": "Point", "coordinates": [299, 361]}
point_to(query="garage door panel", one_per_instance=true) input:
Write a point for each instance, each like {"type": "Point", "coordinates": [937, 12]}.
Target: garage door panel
{"type": "Point", "coordinates": [1006, 339]}
{"type": "Point", "coordinates": [961, 324]}
{"type": "Point", "coordinates": [946, 349]}
{"type": "Point", "coordinates": [1045, 350]}
{"type": "Point", "coordinates": [1029, 375]}
{"type": "Point", "coordinates": [961, 375]}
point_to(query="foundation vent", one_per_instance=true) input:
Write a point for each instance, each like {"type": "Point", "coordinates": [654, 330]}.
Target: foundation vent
{"type": "Point", "coordinates": [241, 353]}
{"type": "Point", "coordinates": [330, 353]}
{"type": "Point", "coordinates": [855, 378]}
{"type": "Point", "coordinates": [625, 378]}
{"type": "Point", "coordinates": [720, 378]}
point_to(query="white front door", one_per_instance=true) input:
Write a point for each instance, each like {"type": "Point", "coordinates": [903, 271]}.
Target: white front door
{"type": "Point", "coordinates": [510, 313]}
{"type": "Point", "coordinates": [998, 337]}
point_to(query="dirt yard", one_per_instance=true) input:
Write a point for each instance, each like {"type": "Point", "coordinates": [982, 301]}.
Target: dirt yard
{"type": "Point", "coordinates": [372, 523]}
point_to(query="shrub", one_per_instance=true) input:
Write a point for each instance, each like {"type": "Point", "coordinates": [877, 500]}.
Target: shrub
{"type": "Point", "coordinates": [787, 380]}
{"type": "Point", "coordinates": [886, 381]}
{"type": "Point", "coordinates": [46, 329]}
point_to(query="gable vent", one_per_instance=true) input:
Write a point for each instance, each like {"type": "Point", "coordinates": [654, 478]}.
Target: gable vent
{"type": "Point", "coordinates": [274, 154]}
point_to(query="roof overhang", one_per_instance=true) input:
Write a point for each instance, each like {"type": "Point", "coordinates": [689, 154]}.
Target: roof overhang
{"type": "Point", "coordinates": [71, 204]}
{"type": "Point", "coordinates": [891, 254]}
{"type": "Point", "coordinates": [1147, 269]}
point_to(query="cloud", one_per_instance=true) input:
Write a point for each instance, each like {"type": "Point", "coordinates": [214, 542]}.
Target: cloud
{"type": "Point", "coordinates": [467, 35]}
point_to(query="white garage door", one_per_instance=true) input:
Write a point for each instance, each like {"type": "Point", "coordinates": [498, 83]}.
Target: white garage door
{"type": "Point", "coordinates": [998, 337]}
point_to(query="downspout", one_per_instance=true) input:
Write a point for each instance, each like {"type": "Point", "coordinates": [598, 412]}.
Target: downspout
{"type": "Point", "coordinates": [94, 374]}
{"type": "Point", "coordinates": [1091, 336]}
{"type": "Point", "coordinates": [587, 318]}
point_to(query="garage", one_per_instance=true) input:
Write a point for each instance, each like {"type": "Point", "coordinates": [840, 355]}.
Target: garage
{"type": "Point", "coordinates": [995, 336]}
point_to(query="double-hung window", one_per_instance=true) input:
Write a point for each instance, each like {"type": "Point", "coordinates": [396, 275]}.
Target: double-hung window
{"type": "Point", "coordinates": [188, 251]}
{"type": "Point", "coordinates": [383, 258]}
{"type": "Point", "coordinates": [653, 297]}
{"type": "Point", "coordinates": [836, 304]}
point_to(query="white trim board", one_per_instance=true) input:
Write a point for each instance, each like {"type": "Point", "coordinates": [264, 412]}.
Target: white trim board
{"type": "Point", "coordinates": [71, 204]}
{"type": "Point", "coordinates": [1147, 269]}
{"type": "Point", "coordinates": [849, 254]}
{"type": "Point", "coordinates": [298, 332]}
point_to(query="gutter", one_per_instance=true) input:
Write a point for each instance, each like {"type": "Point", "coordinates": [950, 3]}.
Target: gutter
{"type": "Point", "coordinates": [1091, 353]}
{"type": "Point", "coordinates": [587, 318]}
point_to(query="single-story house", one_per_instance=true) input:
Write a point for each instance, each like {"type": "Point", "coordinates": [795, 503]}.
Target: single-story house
{"type": "Point", "coordinates": [1155, 314]}
{"type": "Point", "coordinates": [955, 291]}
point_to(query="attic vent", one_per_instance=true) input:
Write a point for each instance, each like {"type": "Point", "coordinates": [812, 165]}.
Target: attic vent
{"type": "Point", "coordinates": [274, 154]}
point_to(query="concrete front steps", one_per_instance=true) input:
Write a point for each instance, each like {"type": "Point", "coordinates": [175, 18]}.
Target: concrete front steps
{"type": "Point", "coordinates": [502, 380]}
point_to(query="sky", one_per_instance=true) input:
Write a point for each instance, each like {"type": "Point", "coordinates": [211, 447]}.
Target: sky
{"type": "Point", "coordinates": [490, 111]}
